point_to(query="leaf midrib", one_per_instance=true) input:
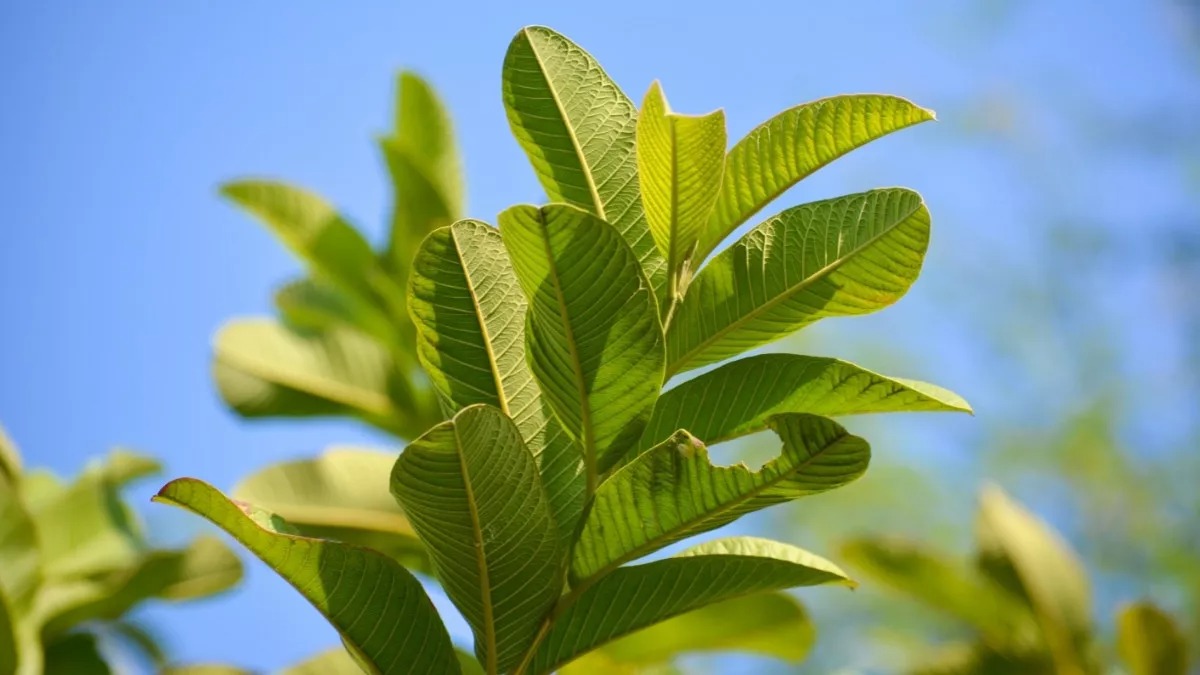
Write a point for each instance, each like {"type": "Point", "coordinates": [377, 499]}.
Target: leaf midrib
{"type": "Point", "coordinates": [494, 367]}
{"type": "Point", "coordinates": [787, 293]}
{"type": "Point", "coordinates": [585, 167]}
{"type": "Point", "coordinates": [485, 584]}
{"type": "Point", "coordinates": [651, 545]}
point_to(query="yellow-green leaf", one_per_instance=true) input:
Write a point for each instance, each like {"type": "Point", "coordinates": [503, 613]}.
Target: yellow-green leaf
{"type": "Point", "coordinates": [1150, 642]}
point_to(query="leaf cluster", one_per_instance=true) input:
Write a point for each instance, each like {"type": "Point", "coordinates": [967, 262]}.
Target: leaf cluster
{"type": "Point", "coordinates": [530, 364]}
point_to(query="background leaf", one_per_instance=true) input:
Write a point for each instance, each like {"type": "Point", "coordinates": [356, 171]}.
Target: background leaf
{"type": "Point", "coordinates": [423, 159]}
{"type": "Point", "coordinates": [470, 316]}
{"type": "Point", "coordinates": [579, 131]}
{"type": "Point", "coordinates": [793, 144]}
{"type": "Point", "coordinates": [263, 369]}
{"type": "Point", "coordinates": [673, 491]}
{"type": "Point", "coordinates": [844, 256]}
{"type": "Point", "coordinates": [680, 160]}
{"type": "Point", "coordinates": [593, 337]}
{"type": "Point", "coordinates": [1047, 571]}
{"type": "Point", "coordinates": [471, 489]}
{"type": "Point", "coordinates": [1149, 641]}
{"type": "Point", "coordinates": [340, 494]}
{"type": "Point", "coordinates": [376, 605]}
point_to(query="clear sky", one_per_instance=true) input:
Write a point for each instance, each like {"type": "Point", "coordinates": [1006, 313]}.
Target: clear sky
{"type": "Point", "coordinates": [118, 261]}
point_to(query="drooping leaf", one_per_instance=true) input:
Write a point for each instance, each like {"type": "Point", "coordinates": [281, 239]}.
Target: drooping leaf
{"type": "Point", "coordinates": [768, 624]}
{"type": "Point", "coordinates": [838, 257]}
{"type": "Point", "coordinates": [316, 306]}
{"type": "Point", "coordinates": [472, 491]}
{"type": "Point", "coordinates": [376, 605]}
{"type": "Point", "coordinates": [593, 337]}
{"type": "Point", "coordinates": [470, 315]}
{"type": "Point", "coordinates": [341, 494]}
{"type": "Point", "coordinates": [264, 370]}
{"type": "Point", "coordinates": [737, 398]}
{"type": "Point", "coordinates": [336, 661]}
{"type": "Point", "coordinates": [795, 143]}
{"type": "Point", "coordinates": [1003, 621]}
{"type": "Point", "coordinates": [1149, 641]}
{"type": "Point", "coordinates": [205, 567]}
{"type": "Point", "coordinates": [634, 597]}
{"type": "Point", "coordinates": [1047, 571]}
{"type": "Point", "coordinates": [673, 491]}
{"type": "Point", "coordinates": [426, 172]}
{"type": "Point", "coordinates": [313, 230]}
{"type": "Point", "coordinates": [680, 160]}
{"type": "Point", "coordinates": [579, 131]}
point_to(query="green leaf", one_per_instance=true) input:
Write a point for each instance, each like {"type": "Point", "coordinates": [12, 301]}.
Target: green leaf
{"type": "Point", "coordinates": [206, 567]}
{"type": "Point", "coordinates": [204, 669]}
{"type": "Point", "coordinates": [312, 229]}
{"type": "Point", "coordinates": [471, 489]}
{"type": "Point", "coordinates": [737, 398]}
{"type": "Point", "coordinates": [10, 458]}
{"type": "Point", "coordinates": [76, 654]}
{"type": "Point", "coordinates": [264, 370]}
{"type": "Point", "coordinates": [632, 598]}
{"type": "Point", "coordinates": [1149, 641]}
{"type": "Point", "coordinates": [123, 466]}
{"type": "Point", "coordinates": [1003, 621]}
{"type": "Point", "coordinates": [1048, 572]}
{"type": "Point", "coordinates": [140, 639]}
{"type": "Point", "coordinates": [579, 131]}
{"type": "Point", "coordinates": [377, 606]}
{"type": "Point", "coordinates": [426, 171]}
{"type": "Point", "coordinates": [336, 661]}
{"type": "Point", "coordinates": [316, 306]}
{"type": "Point", "coordinates": [470, 315]}
{"type": "Point", "coordinates": [85, 529]}
{"type": "Point", "coordinates": [680, 160]}
{"type": "Point", "coordinates": [342, 494]}
{"type": "Point", "coordinates": [9, 642]}
{"type": "Point", "coordinates": [768, 624]}
{"type": "Point", "coordinates": [673, 491]}
{"type": "Point", "coordinates": [593, 337]}
{"type": "Point", "coordinates": [795, 143]}
{"type": "Point", "coordinates": [844, 256]}
{"type": "Point", "coordinates": [21, 572]}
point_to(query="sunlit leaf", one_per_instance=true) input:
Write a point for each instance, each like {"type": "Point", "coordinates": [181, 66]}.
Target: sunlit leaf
{"type": "Point", "coordinates": [673, 491]}
{"type": "Point", "coordinates": [84, 529]}
{"type": "Point", "coordinates": [579, 129]}
{"type": "Point", "coordinates": [336, 661]}
{"type": "Point", "coordinates": [593, 336]}
{"type": "Point", "coordinates": [376, 605]}
{"type": "Point", "coordinates": [341, 494]}
{"type": "Point", "coordinates": [767, 624]}
{"type": "Point", "coordinates": [680, 160]}
{"type": "Point", "coordinates": [472, 491]}
{"type": "Point", "coordinates": [21, 572]}
{"type": "Point", "coordinates": [470, 315]}
{"type": "Point", "coordinates": [844, 256]}
{"type": "Point", "coordinates": [316, 306]}
{"type": "Point", "coordinates": [791, 145]}
{"type": "Point", "coordinates": [1150, 642]}
{"type": "Point", "coordinates": [632, 598]}
{"type": "Point", "coordinates": [737, 398]}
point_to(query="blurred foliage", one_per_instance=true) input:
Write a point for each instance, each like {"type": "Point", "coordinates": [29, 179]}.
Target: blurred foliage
{"type": "Point", "coordinates": [1025, 599]}
{"type": "Point", "coordinates": [75, 563]}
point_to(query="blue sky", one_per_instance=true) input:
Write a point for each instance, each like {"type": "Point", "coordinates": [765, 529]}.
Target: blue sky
{"type": "Point", "coordinates": [119, 261]}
